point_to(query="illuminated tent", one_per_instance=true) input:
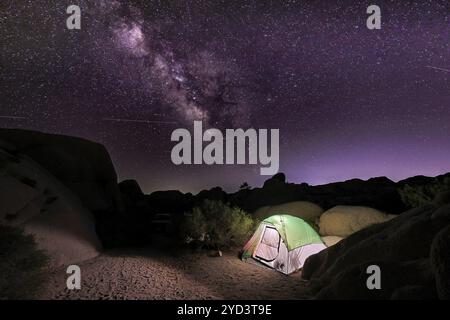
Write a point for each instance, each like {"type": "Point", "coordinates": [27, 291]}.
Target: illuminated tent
{"type": "Point", "coordinates": [283, 242]}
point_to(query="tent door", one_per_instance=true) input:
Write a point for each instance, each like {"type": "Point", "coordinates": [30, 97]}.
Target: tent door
{"type": "Point", "coordinates": [282, 262]}
{"type": "Point", "coordinates": [268, 247]}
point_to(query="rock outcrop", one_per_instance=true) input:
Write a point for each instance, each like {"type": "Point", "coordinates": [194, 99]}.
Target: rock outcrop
{"type": "Point", "coordinates": [171, 201]}
{"type": "Point", "coordinates": [411, 250]}
{"type": "Point", "coordinates": [35, 200]}
{"type": "Point", "coordinates": [440, 261]}
{"type": "Point", "coordinates": [131, 191]}
{"type": "Point", "coordinates": [442, 198]}
{"type": "Point", "coordinates": [378, 193]}
{"type": "Point", "coordinates": [342, 221]}
{"type": "Point", "coordinates": [277, 180]}
{"type": "Point", "coordinates": [83, 166]}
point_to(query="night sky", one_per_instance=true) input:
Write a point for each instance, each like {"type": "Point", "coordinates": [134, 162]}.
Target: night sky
{"type": "Point", "coordinates": [349, 102]}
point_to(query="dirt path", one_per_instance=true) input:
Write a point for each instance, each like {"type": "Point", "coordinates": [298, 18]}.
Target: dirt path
{"type": "Point", "coordinates": [149, 274]}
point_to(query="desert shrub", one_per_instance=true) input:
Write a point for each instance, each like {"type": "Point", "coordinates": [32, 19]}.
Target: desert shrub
{"type": "Point", "coordinates": [416, 196]}
{"type": "Point", "coordinates": [218, 225]}
{"type": "Point", "coordinates": [22, 265]}
{"type": "Point", "coordinates": [194, 224]}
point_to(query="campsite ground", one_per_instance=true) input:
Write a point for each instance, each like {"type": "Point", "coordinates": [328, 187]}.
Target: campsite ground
{"type": "Point", "coordinates": [154, 274]}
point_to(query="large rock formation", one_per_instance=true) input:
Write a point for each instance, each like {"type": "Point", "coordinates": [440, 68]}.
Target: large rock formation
{"type": "Point", "coordinates": [342, 221]}
{"type": "Point", "coordinates": [83, 166]}
{"type": "Point", "coordinates": [32, 198]}
{"type": "Point", "coordinates": [440, 260]}
{"type": "Point", "coordinates": [411, 250]}
{"type": "Point", "coordinates": [277, 180]}
{"type": "Point", "coordinates": [379, 193]}
{"type": "Point", "coordinates": [216, 194]}
{"type": "Point", "coordinates": [171, 201]}
{"type": "Point", "coordinates": [131, 192]}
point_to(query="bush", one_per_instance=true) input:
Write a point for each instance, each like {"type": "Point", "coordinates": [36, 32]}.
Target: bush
{"type": "Point", "coordinates": [218, 225]}
{"type": "Point", "coordinates": [21, 265]}
{"type": "Point", "coordinates": [416, 196]}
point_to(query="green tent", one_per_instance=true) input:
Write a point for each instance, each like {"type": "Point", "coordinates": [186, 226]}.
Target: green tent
{"type": "Point", "coordinates": [283, 242]}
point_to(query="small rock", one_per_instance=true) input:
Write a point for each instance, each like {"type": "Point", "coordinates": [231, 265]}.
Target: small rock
{"type": "Point", "coordinates": [215, 253]}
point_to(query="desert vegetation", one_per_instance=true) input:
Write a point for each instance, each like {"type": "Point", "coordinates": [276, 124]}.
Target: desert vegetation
{"type": "Point", "coordinates": [22, 265]}
{"type": "Point", "coordinates": [418, 195]}
{"type": "Point", "coordinates": [217, 225]}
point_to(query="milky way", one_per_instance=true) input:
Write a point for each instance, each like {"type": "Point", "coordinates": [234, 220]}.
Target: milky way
{"type": "Point", "coordinates": [349, 102]}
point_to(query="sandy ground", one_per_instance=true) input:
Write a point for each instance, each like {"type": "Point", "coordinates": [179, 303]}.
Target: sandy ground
{"type": "Point", "coordinates": [153, 274]}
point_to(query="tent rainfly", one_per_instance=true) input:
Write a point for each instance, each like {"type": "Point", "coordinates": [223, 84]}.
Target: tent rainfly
{"type": "Point", "coordinates": [283, 242]}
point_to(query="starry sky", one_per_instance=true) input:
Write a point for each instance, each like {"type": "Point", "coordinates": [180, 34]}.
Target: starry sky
{"type": "Point", "coordinates": [349, 102]}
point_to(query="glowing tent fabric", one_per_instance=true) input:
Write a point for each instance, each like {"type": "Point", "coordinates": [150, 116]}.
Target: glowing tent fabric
{"type": "Point", "coordinates": [283, 242]}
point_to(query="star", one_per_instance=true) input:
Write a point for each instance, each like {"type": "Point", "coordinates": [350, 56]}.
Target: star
{"type": "Point", "coordinates": [349, 102]}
